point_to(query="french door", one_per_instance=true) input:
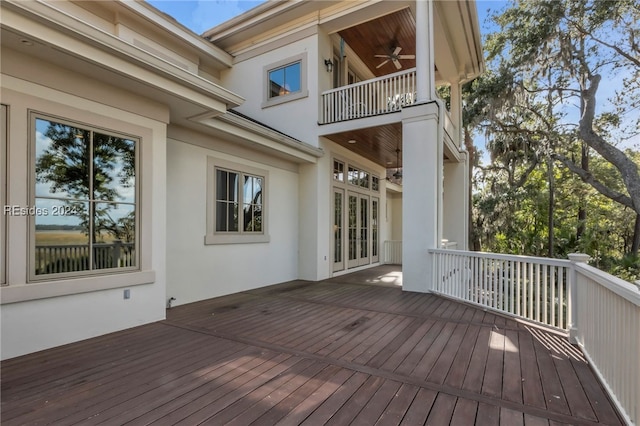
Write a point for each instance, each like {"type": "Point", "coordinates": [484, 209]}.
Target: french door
{"type": "Point", "coordinates": [355, 229]}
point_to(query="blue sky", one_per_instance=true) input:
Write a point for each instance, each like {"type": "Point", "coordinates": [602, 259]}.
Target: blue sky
{"type": "Point", "coordinates": [201, 15]}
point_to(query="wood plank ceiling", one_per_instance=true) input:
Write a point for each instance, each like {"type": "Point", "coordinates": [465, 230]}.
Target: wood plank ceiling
{"type": "Point", "coordinates": [381, 36]}
{"type": "Point", "coordinates": [377, 144]}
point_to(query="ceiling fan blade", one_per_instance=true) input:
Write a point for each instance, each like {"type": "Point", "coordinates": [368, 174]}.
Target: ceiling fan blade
{"type": "Point", "coordinates": [380, 56]}
{"type": "Point", "coordinates": [406, 56]}
{"type": "Point", "coordinates": [397, 64]}
{"type": "Point", "coordinates": [384, 62]}
{"type": "Point", "coordinates": [395, 52]}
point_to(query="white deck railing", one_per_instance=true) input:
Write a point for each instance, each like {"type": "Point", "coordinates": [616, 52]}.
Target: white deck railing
{"type": "Point", "coordinates": [368, 98]}
{"type": "Point", "coordinates": [601, 312]}
{"type": "Point", "coordinates": [529, 287]}
{"type": "Point", "coordinates": [607, 327]}
{"type": "Point", "coordinates": [392, 252]}
{"type": "Point", "coordinates": [57, 258]}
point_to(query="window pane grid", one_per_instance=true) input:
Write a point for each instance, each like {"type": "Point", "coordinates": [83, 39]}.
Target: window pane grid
{"type": "Point", "coordinates": [85, 199]}
{"type": "Point", "coordinates": [229, 192]}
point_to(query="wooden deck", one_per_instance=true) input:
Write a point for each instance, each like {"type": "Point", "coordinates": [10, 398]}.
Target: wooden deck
{"type": "Point", "coordinates": [335, 352]}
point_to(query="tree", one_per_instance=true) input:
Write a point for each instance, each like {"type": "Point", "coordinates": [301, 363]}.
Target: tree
{"type": "Point", "coordinates": [82, 167]}
{"type": "Point", "coordinates": [546, 67]}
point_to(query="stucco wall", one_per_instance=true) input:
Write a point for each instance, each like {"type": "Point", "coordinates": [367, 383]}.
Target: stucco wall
{"type": "Point", "coordinates": [43, 314]}
{"type": "Point", "coordinates": [248, 78]}
{"type": "Point", "coordinates": [196, 271]}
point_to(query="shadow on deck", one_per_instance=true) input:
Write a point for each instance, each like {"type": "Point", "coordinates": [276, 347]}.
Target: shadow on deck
{"type": "Point", "coordinates": [332, 352]}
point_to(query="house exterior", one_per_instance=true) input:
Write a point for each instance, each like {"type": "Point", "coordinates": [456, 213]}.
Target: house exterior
{"type": "Point", "coordinates": [144, 165]}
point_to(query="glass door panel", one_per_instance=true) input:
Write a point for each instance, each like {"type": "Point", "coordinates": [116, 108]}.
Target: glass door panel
{"type": "Point", "coordinates": [375, 203]}
{"type": "Point", "coordinates": [363, 258]}
{"type": "Point", "coordinates": [358, 235]}
{"type": "Point", "coordinates": [338, 229]}
{"type": "Point", "coordinates": [353, 230]}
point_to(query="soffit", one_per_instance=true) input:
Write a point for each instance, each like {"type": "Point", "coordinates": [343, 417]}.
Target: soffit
{"type": "Point", "coordinates": [377, 144]}
{"type": "Point", "coordinates": [58, 38]}
{"type": "Point", "coordinates": [381, 36]}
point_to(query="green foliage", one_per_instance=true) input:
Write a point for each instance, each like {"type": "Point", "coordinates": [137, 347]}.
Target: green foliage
{"type": "Point", "coordinates": [556, 175]}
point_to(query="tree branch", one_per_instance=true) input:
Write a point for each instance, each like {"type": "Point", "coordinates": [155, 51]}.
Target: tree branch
{"type": "Point", "coordinates": [587, 177]}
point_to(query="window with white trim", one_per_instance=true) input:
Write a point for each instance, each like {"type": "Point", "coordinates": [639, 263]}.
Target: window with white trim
{"type": "Point", "coordinates": [285, 80]}
{"type": "Point", "coordinates": [236, 203]}
{"type": "Point", "coordinates": [84, 211]}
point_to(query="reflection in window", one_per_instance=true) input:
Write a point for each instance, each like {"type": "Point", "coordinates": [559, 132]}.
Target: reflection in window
{"type": "Point", "coordinates": [353, 176]}
{"type": "Point", "coordinates": [85, 199]}
{"type": "Point", "coordinates": [252, 212]}
{"type": "Point", "coordinates": [229, 195]}
{"type": "Point", "coordinates": [338, 170]}
{"type": "Point", "coordinates": [3, 195]}
{"type": "Point", "coordinates": [226, 201]}
{"type": "Point", "coordinates": [375, 183]}
{"type": "Point", "coordinates": [285, 80]}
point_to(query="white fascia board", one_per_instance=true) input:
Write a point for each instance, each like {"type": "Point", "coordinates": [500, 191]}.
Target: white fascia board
{"type": "Point", "coordinates": [263, 136]}
{"type": "Point", "coordinates": [248, 19]}
{"type": "Point", "coordinates": [150, 13]}
{"type": "Point", "coordinates": [56, 28]}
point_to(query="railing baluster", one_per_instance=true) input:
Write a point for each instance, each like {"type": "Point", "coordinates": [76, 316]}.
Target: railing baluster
{"type": "Point", "coordinates": [561, 298]}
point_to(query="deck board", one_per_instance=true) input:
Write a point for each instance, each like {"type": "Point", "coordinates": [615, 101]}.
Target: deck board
{"type": "Point", "coordinates": [334, 352]}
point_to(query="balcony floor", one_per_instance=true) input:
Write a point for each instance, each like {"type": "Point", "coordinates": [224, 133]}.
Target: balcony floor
{"type": "Point", "coordinates": [341, 351]}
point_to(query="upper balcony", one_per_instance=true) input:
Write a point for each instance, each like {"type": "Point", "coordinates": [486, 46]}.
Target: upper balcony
{"type": "Point", "coordinates": [368, 111]}
{"type": "Point", "coordinates": [381, 95]}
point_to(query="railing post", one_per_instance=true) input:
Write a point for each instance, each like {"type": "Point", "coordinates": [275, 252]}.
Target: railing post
{"type": "Point", "coordinates": [117, 245]}
{"type": "Point", "coordinates": [572, 297]}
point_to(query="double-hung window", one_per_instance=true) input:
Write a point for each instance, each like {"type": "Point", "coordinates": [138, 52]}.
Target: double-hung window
{"type": "Point", "coordinates": [84, 214]}
{"type": "Point", "coordinates": [236, 207]}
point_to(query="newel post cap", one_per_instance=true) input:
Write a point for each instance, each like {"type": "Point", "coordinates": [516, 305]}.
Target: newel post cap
{"type": "Point", "coordinates": [579, 257]}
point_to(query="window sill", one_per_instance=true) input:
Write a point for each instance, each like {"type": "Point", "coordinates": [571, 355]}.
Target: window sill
{"type": "Point", "coordinates": [284, 99]}
{"type": "Point", "coordinates": [43, 290]}
{"type": "Point", "coordinates": [236, 239]}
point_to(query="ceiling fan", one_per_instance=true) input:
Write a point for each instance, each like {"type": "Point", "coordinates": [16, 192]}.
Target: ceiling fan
{"type": "Point", "coordinates": [394, 57]}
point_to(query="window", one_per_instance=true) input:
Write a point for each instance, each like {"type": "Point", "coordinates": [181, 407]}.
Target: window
{"type": "Point", "coordinates": [375, 183]}
{"type": "Point", "coordinates": [229, 191]}
{"type": "Point", "coordinates": [3, 190]}
{"type": "Point", "coordinates": [85, 207]}
{"type": "Point", "coordinates": [236, 203]}
{"type": "Point", "coordinates": [285, 80]}
{"type": "Point", "coordinates": [338, 170]}
{"type": "Point", "coordinates": [358, 177]}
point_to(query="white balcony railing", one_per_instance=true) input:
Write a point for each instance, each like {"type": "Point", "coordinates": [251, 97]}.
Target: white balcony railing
{"type": "Point", "coordinates": [529, 287]}
{"type": "Point", "coordinates": [601, 312]}
{"type": "Point", "coordinates": [368, 98]}
{"type": "Point", "coordinates": [607, 327]}
{"type": "Point", "coordinates": [392, 252]}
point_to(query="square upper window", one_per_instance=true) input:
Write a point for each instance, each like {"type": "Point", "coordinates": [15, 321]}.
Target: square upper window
{"type": "Point", "coordinates": [285, 81]}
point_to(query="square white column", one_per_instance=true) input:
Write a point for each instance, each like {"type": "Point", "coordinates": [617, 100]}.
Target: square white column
{"type": "Point", "coordinates": [422, 166]}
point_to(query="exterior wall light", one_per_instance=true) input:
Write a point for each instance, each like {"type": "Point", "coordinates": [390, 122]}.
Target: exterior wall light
{"type": "Point", "coordinates": [329, 64]}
